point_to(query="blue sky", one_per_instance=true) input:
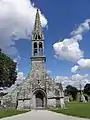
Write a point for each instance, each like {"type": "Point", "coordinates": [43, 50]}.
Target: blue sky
{"type": "Point", "coordinates": [63, 16]}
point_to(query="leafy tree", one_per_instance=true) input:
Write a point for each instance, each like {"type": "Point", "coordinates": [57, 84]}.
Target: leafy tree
{"type": "Point", "coordinates": [72, 91]}
{"type": "Point", "coordinates": [7, 70]}
{"type": "Point", "coordinates": [87, 89]}
{"type": "Point", "coordinates": [68, 89]}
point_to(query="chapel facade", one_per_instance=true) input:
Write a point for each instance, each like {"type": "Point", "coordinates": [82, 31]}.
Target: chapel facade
{"type": "Point", "coordinates": [38, 90]}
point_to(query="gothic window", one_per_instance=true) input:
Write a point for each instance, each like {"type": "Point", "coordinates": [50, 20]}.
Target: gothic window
{"type": "Point", "coordinates": [36, 37]}
{"type": "Point", "coordinates": [39, 37]}
{"type": "Point", "coordinates": [35, 49]}
{"type": "Point", "coordinates": [40, 49]}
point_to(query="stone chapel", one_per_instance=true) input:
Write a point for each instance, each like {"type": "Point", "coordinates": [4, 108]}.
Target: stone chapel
{"type": "Point", "coordinates": [38, 90]}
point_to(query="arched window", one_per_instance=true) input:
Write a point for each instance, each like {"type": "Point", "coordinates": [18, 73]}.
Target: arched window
{"type": "Point", "coordinates": [39, 37]}
{"type": "Point", "coordinates": [35, 49]}
{"type": "Point", "coordinates": [36, 37]}
{"type": "Point", "coordinates": [40, 49]}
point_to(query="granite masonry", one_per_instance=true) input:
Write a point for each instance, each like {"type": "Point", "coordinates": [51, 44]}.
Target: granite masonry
{"type": "Point", "coordinates": [38, 90]}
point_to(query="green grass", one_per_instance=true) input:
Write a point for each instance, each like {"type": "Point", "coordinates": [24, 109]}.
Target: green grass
{"type": "Point", "coordinates": [7, 113]}
{"type": "Point", "coordinates": [78, 109]}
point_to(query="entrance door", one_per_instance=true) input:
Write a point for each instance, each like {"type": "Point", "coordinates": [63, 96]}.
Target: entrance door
{"type": "Point", "coordinates": [39, 100]}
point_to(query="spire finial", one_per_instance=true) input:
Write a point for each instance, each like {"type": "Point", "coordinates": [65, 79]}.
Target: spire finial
{"type": "Point", "coordinates": [37, 25]}
{"type": "Point", "coordinates": [37, 9]}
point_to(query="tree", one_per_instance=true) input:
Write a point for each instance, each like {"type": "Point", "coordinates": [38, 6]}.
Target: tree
{"type": "Point", "coordinates": [69, 89]}
{"type": "Point", "coordinates": [72, 91]}
{"type": "Point", "coordinates": [87, 89]}
{"type": "Point", "coordinates": [7, 70]}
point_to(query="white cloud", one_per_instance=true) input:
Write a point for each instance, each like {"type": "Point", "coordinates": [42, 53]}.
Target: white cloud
{"type": "Point", "coordinates": [82, 64]}
{"type": "Point", "coordinates": [82, 28]}
{"type": "Point", "coordinates": [69, 48]}
{"type": "Point", "coordinates": [20, 78]}
{"type": "Point", "coordinates": [49, 72]}
{"type": "Point", "coordinates": [17, 60]}
{"type": "Point", "coordinates": [64, 80]}
{"type": "Point", "coordinates": [16, 19]}
{"type": "Point", "coordinates": [74, 69]}
{"type": "Point", "coordinates": [74, 80]}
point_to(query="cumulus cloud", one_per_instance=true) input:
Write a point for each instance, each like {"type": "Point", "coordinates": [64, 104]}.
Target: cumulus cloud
{"type": "Point", "coordinates": [84, 63]}
{"type": "Point", "coordinates": [20, 78]}
{"type": "Point", "coordinates": [81, 64]}
{"type": "Point", "coordinates": [74, 80]}
{"type": "Point", "coordinates": [69, 48]}
{"type": "Point", "coordinates": [16, 21]}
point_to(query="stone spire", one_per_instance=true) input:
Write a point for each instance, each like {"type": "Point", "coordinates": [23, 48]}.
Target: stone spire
{"type": "Point", "coordinates": [37, 25]}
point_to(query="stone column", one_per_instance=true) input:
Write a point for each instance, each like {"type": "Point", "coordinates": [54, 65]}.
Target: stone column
{"type": "Point", "coordinates": [34, 101]}
{"type": "Point", "coordinates": [44, 101]}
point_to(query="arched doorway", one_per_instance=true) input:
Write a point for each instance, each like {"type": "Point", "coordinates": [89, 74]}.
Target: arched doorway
{"type": "Point", "coordinates": [39, 100]}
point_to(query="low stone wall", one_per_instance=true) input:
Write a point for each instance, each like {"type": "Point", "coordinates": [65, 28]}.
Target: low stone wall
{"type": "Point", "coordinates": [51, 102]}
{"type": "Point", "coordinates": [24, 104]}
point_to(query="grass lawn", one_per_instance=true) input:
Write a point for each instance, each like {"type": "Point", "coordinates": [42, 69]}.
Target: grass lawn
{"type": "Point", "coordinates": [7, 113]}
{"type": "Point", "coordinates": [78, 109]}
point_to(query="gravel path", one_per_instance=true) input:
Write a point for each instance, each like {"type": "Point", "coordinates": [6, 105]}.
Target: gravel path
{"type": "Point", "coordinates": [42, 115]}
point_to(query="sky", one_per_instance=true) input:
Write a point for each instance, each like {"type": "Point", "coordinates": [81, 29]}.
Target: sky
{"type": "Point", "coordinates": [66, 26]}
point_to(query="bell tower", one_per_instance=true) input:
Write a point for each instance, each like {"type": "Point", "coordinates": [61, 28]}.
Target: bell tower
{"type": "Point", "coordinates": [38, 58]}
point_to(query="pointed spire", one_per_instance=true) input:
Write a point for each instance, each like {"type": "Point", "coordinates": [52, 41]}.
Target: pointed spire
{"type": "Point", "coordinates": [37, 25]}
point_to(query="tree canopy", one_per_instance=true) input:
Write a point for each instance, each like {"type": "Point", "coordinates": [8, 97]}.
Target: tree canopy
{"type": "Point", "coordinates": [8, 72]}
{"type": "Point", "coordinates": [87, 89]}
{"type": "Point", "coordinates": [72, 91]}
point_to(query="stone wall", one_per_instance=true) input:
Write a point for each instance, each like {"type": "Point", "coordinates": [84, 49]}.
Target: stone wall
{"type": "Point", "coordinates": [51, 103]}
{"type": "Point", "coordinates": [20, 104]}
